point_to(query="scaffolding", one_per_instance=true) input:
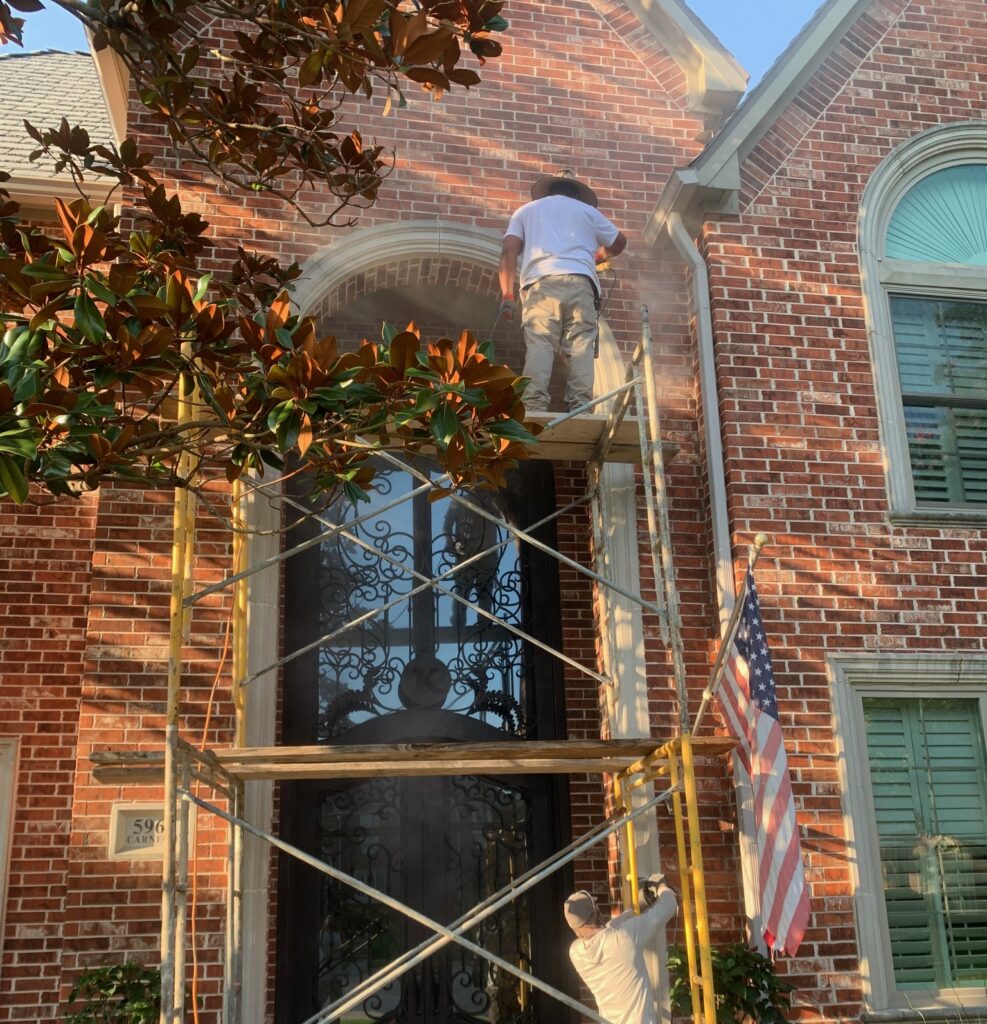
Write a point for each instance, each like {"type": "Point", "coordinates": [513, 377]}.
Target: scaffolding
{"type": "Point", "coordinates": [581, 435]}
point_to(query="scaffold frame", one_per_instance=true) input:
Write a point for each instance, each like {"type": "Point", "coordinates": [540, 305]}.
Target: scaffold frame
{"type": "Point", "coordinates": [632, 764]}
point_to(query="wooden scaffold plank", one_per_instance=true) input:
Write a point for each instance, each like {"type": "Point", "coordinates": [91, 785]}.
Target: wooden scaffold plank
{"type": "Point", "coordinates": [410, 759]}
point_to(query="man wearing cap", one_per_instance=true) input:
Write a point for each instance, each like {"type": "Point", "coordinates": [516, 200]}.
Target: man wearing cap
{"type": "Point", "coordinates": [610, 956]}
{"type": "Point", "coordinates": [560, 236]}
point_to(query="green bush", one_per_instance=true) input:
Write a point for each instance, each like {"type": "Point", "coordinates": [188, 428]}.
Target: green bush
{"type": "Point", "coordinates": [747, 988]}
{"type": "Point", "coordinates": [127, 993]}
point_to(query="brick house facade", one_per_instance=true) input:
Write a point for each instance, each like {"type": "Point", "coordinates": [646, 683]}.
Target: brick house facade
{"type": "Point", "coordinates": [873, 596]}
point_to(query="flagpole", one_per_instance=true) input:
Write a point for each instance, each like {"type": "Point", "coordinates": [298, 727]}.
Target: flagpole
{"type": "Point", "coordinates": [716, 676]}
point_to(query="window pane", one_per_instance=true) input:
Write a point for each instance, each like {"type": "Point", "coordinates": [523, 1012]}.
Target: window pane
{"type": "Point", "coordinates": [929, 779]}
{"type": "Point", "coordinates": [948, 451]}
{"type": "Point", "coordinates": [941, 346]}
{"type": "Point", "coordinates": [942, 219]}
{"type": "Point", "coordinates": [941, 349]}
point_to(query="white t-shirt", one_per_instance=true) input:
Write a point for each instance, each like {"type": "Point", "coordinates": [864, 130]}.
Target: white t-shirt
{"type": "Point", "coordinates": [612, 965]}
{"type": "Point", "coordinates": [560, 236]}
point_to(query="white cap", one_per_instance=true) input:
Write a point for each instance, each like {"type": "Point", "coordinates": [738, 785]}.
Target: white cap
{"type": "Point", "coordinates": [579, 909]}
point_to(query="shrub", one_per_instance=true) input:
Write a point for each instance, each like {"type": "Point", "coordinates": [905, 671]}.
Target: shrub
{"type": "Point", "coordinates": [747, 988]}
{"type": "Point", "coordinates": [127, 993]}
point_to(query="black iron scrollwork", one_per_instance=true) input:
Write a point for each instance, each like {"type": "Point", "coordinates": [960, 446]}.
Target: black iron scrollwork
{"type": "Point", "coordinates": [435, 650]}
{"type": "Point", "coordinates": [482, 845]}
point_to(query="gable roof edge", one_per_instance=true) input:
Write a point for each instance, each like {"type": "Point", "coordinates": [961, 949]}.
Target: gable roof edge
{"type": "Point", "coordinates": [751, 121]}
{"type": "Point", "coordinates": [114, 77]}
{"type": "Point", "coordinates": [716, 82]}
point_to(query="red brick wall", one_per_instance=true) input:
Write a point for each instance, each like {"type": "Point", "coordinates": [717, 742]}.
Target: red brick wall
{"type": "Point", "coordinates": [803, 455]}
{"type": "Point", "coordinates": [83, 656]}
{"type": "Point", "coordinates": [44, 588]}
{"type": "Point", "coordinates": [113, 908]}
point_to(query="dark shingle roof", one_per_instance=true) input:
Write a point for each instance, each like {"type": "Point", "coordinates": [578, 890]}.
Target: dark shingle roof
{"type": "Point", "coordinates": [43, 88]}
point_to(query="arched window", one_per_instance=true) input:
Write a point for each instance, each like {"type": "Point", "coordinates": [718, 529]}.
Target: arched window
{"type": "Point", "coordinates": [923, 254]}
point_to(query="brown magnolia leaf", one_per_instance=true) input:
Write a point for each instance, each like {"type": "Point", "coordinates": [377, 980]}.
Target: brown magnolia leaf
{"type": "Point", "coordinates": [66, 219]}
{"type": "Point", "coordinates": [428, 77]}
{"type": "Point", "coordinates": [278, 314]}
{"type": "Point", "coordinates": [305, 436]}
{"type": "Point", "coordinates": [404, 352]}
{"type": "Point", "coordinates": [47, 312]}
{"type": "Point", "coordinates": [438, 493]}
{"type": "Point", "coordinates": [462, 76]}
{"type": "Point", "coordinates": [124, 437]}
{"type": "Point", "coordinates": [428, 48]}
{"type": "Point", "coordinates": [360, 14]}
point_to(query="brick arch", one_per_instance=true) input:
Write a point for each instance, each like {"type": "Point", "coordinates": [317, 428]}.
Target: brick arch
{"type": "Point", "coordinates": [421, 271]}
{"type": "Point", "coordinates": [364, 260]}
{"type": "Point", "coordinates": [368, 256]}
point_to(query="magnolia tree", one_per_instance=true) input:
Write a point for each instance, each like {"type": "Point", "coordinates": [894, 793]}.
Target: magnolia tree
{"type": "Point", "coordinates": [106, 326]}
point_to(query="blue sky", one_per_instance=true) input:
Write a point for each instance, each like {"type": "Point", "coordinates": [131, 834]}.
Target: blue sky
{"type": "Point", "coordinates": [755, 31]}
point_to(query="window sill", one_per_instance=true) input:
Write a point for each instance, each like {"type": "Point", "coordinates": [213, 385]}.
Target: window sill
{"type": "Point", "coordinates": [966, 1014]}
{"type": "Point", "coordinates": [944, 517]}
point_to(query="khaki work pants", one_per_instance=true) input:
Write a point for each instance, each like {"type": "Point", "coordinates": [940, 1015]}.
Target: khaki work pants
{"type": "Point", "coordinates": [558, 314]}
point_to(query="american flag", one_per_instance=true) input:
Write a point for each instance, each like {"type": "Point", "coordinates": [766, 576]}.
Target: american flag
{"type": "Point", "coordinates": [750, 706]}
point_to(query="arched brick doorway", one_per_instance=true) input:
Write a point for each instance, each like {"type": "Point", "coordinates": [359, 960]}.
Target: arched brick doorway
{"type": "Point", "coordinates": [439, 844]}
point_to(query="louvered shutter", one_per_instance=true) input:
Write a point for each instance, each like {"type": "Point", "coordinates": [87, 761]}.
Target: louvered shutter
{"type": "Point", "coordinates": [929, 780]}
{"type": "Point", "coordinates": [941, 349]}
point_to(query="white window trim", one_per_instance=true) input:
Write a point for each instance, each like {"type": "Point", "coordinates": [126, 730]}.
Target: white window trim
{"type": "Point", "coordinates": [938, 148]}
{"type": "Point", "coordinates": [8, 785]}
{"type": "Point", "coordinates": [889, 675]}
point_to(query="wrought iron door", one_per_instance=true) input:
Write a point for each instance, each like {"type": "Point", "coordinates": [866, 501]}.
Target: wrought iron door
{"type": "Point", "coordinates": [427, 669]}
{"type": "Point", "coordinates": [440, 845]}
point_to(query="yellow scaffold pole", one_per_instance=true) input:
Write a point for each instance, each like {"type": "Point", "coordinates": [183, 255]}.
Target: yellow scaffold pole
{"type": "Point", "coordinates": [175, 823]}
{"type": "Point", "coordinates": [685, 883]}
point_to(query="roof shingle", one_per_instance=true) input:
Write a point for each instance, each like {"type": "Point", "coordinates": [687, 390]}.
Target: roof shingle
{"type": "Point", "coordinates": [43, 88]}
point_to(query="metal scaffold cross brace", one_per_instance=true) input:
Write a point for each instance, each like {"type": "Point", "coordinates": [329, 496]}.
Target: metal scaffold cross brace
{"type": "Point", "coordinates": [184, 766]}
{"type": "Point", "coordinates": [456, 932]}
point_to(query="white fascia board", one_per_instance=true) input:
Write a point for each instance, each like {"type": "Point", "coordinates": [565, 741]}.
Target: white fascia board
{"type": "Point", "coordinates": [115, 80]}
{"type": "Point", "coordinates": [716, 80]}
{"type": "Point", "coordinates": [781, 85]}
{"type": "Point", "coordinates": [688, 195]}
{"type": "Point", "coordinates": [718, 166]}
{"type": "Point", "coordinates": [34, 192]}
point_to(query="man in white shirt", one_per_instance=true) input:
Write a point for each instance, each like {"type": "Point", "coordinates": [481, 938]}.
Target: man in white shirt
{"type": "Point", "coordinates": [609, 956]}
{"type": "Point", "coordinates": [560, 237]}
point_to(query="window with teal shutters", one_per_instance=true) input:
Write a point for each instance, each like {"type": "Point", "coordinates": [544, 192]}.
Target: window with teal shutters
{"type": "Point", "coordinates": [928, 773]}
{"type": "Point", "coordinates": [941, 348]}
{"type": "Point", "coordinates": [940, 341]}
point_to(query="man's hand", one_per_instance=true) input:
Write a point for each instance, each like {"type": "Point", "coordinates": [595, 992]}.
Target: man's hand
{"type": "Point", "coordinates": [651, 888]}
{"type": "Point", "coordinates": [508, 309]}
{"type": "Point", "coordinates": [607, 252]}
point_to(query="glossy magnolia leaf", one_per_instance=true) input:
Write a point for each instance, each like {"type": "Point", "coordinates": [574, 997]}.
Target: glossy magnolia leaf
{"type": "Point", "coordinates": [12, 480]}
